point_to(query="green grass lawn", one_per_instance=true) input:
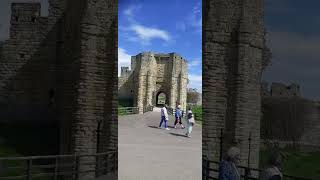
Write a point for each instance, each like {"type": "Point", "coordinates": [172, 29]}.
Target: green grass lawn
{"type": "Point", "coordinates": [197, 111]}
{"type": "Point", "coordinates": [297, 163]}
{"type": "Point", "coordinates": [26, 139]}
{"type": "Point", "coordinates": [121, 112]}
{"type": "Point", "coordinates": [125, 103]}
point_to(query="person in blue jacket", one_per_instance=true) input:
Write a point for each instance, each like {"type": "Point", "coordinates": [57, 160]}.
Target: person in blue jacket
{"type": "Point", "coordinates": [228, 167]}
{"type": "Point", "coordinates": [178, 116]}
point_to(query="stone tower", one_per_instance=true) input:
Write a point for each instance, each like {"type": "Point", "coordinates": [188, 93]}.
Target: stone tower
{"type": "Point", "coordinates": [234, 55]}
{"type": "Point", "coordinates": [152, 74]}
{"type": "Point", "coordinates": [65, 65]}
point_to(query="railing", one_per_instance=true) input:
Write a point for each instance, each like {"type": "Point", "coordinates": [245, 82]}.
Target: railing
{"type": "Point", "coordinates": [171, 111]}
{"type": "Point", "coordinates": [58, 166]}
{"type": "Point", "coordinates": [206, 170]}
{"type": "Point", "coordinates": [133, 110]}
{"type": "Point", "coordinates": [128, 110]}
{"type": "Point", "coordinates": [147, 109]}
{"type": "Point", "coordinates": [246, 173]}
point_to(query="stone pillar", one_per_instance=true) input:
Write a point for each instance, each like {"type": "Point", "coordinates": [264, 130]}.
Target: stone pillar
{"type": "Point", "coordinates": [183, 91]}
{"type": "Point", "coordinates": [149, 89]}
{"type": "Point", "coordinates": [174, 83]}
{"type": "Point", "coordinates": [140, 95]}
{"type": "Point", "coordinates": [248, 81]}
{"type": "Point", "coordinates": [233, 37]}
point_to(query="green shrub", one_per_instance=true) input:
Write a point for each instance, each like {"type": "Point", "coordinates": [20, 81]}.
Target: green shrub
{"type": "Point", "coordinates": [197, 111]}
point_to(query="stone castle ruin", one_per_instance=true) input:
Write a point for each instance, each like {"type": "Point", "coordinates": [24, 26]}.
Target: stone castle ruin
{"type": "Point", "coordinates": [63, 68]}
{"type": "Point", "coordinates": [234, 56]}
{"type": "Point", "coordinates": [284, 106]}
{"type": "Point", "coordinates": [280, 90]}
{"type": "Point", "coordinates": [154, 76]}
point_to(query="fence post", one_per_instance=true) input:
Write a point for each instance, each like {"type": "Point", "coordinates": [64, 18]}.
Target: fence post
{"type": "Point", "coordinates": [56, 169]}
{"type": "Point", "coordinates": [246, 173]}
{"type": "Point", "coordinates": [248, 169]}
{"type": "Point", "coordinates": [207, 170]}
{"type": "Point", "coordinates": [221, 143]}
{"type": "Point", "coordinates": [29, 169]}
{"type": "Point", "coordinates": [76, 168]}
{"type": "Point", "coordinates": [115, 162]}
{"type": "Point", "coordinates": [203, 168]}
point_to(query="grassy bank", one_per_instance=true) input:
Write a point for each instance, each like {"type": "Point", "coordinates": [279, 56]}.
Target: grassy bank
{"type": "Point", "coordinates": [297, 163]}
{"type": "Point", "coordinates": [27, 139]}
{"type": "Point", "coordinates": [197, 111]}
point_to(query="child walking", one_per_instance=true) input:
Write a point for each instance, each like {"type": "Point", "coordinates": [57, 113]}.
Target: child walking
{"type": "Point", "coordinates": [191, 122]}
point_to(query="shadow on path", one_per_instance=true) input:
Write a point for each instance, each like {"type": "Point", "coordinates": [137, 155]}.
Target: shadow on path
{"type": "Point", "coordinates": [155, 127]}
{"type": "Point", "coordinates": [175, 134]}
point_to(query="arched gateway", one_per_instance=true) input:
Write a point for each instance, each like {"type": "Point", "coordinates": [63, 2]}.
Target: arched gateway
{"type": "Point", "coordinates": [161, 98]}
{"type": "Point", "coordinates": [155, 79]}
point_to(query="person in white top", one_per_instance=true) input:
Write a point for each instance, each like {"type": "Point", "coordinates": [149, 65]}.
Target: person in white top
{"type": "Point", "coordinates": [191, 122]}
{"type": "Point", "coordinates": [273, 171]}
{"type": "Point", "coordinates": [164, 117]}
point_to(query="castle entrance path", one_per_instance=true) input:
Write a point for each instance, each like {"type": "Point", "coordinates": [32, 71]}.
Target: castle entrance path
{"type": "Point", "coordinates": [146, 152]}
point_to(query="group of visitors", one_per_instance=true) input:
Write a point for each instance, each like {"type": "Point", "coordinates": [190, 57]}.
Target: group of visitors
{"type": "Point", "coordinates": [178, 119]}
{"type": "Point", "coordinates": [228, 167]}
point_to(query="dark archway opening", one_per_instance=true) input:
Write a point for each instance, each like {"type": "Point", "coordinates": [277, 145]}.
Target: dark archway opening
{"type": "Point", "coordinates": [161, 98]}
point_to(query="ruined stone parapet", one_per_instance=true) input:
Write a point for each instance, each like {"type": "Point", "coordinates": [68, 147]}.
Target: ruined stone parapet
{"type": "Point", "coordinates": [282, 90]}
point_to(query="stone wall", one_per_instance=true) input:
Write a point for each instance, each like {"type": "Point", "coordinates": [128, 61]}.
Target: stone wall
{"type": "Point", "coordinates": [153, 73]}
{"type": "Point", "coordinates": [65, 64]}
{"type": "Point", "coordinates": [282, 90]}
{"type": "Point", "coordinates": [27, 71]}
{"type": "Point", "coordinates": [298, 118]}
{"type": "Point", "coordinates": [233, 59]}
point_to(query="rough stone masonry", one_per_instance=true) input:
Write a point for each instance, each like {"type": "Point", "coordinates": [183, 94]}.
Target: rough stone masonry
{"type": "Point", "coordinates": [152, 74]}
{"type": "Point", "coordinates": [234, 55]}
{"type": "Point", "coordinates": [64, 67]}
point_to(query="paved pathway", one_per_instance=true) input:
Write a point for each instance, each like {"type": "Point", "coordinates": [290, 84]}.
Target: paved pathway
{"type": "Point", "coordinates": [146, 152]}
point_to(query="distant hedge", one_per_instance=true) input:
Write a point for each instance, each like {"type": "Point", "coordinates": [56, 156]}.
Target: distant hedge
{"type": "Point", "coordinates": [197, 111]}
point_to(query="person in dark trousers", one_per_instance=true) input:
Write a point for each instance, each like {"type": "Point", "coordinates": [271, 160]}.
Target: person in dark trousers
{"type": "Point", "coordinates": [228, 167]}
{"type": "Point", "coordinates": [273, 169]}
{"type": "Point", "coordinates": [178, 115]}
{"type": "Point", "coordinates": [164, 117]}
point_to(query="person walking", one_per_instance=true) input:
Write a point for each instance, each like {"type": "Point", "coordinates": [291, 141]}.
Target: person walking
{"type": "Point", "coordinates": [228, 167]}
{"type": "Point", "coordinates": [273, 170]}
{"type": "Point", "coordinates": [191, 122]}
{"type": "Point", "coordinates": [178, 115]}
{"type": "Point", "coordinates": [164, 117]}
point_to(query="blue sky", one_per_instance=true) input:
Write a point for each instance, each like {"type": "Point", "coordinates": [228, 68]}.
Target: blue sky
{"type": "Point", "coordinates": [294, 38]}
{"type": "Point", "coordinates": [293, 28]}
{"type": "Point", "coordinates": [162, 26]}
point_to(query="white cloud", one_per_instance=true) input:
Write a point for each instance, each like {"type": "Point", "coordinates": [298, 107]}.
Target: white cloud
{"type": "Point", "coordinates": [194, 63]}
{"type": "Point", "coordinates": [129, 12]}
{"type": "Point", "coordinates": [192, 20]}
{"type": "Point", "coordinates": [146, 34]}
{"type": "Point", "coordinates": [124, 59]}
{"type": "Point", "coordinates": [143, 34]}
{"type": "Point", "coordinates": [195, 18]}
{"type": "Point", "coordinates": [195, 81]}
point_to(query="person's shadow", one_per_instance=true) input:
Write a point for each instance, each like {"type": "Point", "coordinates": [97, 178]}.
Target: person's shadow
{"type": "Point", "coordinates": [176, 134]}
{"type": "Point", "coordinates": [156, 127]}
